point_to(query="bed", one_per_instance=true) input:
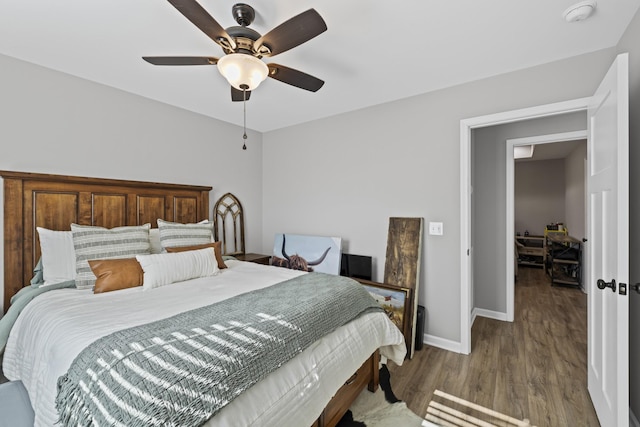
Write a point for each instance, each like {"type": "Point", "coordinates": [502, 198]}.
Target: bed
{"type": "Point", "coordinates": [314, 387]}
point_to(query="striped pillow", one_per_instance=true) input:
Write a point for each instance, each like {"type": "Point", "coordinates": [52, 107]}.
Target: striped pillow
{"type": "Point", "coordinates": [174, 234]}
{"type": "Point", "coordinates": [92, 242]}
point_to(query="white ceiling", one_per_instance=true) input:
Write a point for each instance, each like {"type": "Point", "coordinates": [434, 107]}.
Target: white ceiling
{"type": "Point", "coordinates": [373, 51]}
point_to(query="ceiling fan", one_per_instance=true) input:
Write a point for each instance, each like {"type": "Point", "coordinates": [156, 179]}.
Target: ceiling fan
{"type": "Point", "coordinates": [244, 47]}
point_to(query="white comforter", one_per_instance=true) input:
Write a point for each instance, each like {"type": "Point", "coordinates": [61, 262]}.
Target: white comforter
{"type": "Point", "coordinates": [57, 325]}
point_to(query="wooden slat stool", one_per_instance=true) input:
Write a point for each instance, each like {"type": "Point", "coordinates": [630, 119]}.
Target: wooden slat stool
{"type": "Point", "coordinates": [452, 411]}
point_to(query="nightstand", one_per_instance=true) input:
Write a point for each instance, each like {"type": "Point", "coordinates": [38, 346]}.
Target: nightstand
{"type": "Point", "coordinates": [257, 258]}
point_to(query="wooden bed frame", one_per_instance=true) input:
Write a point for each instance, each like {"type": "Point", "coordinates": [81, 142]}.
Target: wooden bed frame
{"type": "Point", "coordinates": [55, 201]}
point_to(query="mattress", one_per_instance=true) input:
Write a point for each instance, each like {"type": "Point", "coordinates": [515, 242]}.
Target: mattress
{"type": "Point", "coordinates": [57, 325]}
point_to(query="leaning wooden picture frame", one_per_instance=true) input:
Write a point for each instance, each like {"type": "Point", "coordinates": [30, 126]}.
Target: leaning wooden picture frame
{"type": "Point", "coordinates": [397, 302]}
{"type": "Point", "coordinates": [403, 260]}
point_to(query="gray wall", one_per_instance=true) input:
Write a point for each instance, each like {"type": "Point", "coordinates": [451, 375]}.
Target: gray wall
{"type": "Point", "coordinates": [539, 194]}
{"type": "Point", "coordinates": [629, 43]}
{"type": "Point", "coordinates": [56, 123]}
{"type": "Point", "coordinates": [489, 188]}
{"type": "Point", "coordinates": [346, 175]}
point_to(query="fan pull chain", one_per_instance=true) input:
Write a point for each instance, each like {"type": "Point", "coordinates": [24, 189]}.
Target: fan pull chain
{"type": "Point", "coordinates": [244, 107]}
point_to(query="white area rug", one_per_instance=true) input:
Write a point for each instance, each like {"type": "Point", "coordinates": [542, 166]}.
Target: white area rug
{"type": "Point", "coordinates": [374, 411]}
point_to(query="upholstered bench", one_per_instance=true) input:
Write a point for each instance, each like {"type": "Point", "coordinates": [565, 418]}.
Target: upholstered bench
{"type": "Point", "coordinates": [15, 406]}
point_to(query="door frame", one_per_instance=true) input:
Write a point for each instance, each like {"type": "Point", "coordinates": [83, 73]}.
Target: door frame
{"type": "Point", "coordinates": [466, 188]}
{"type": "Point", "coordinates": [510, 198]}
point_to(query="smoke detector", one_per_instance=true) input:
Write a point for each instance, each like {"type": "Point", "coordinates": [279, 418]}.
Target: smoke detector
{"type": "Point", "coordinates": [579, 11]}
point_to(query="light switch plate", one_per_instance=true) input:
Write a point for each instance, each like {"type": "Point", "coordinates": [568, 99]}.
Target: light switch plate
{"type": "Point", "coordinates": [436, 229]}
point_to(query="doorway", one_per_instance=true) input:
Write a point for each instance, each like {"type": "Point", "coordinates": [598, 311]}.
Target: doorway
{"type": "Point", "coordinates": [467, 192]}
{"type": "Point", "coordinates": [467, 128]}
{"type": "Point", "coordinates": [545, 147]}
{"type": "Point", "coordinates": [493, 200]}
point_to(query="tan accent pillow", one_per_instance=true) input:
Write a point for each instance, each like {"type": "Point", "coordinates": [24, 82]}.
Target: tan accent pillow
{"type": "Point", "coordinates": [114, 274]}
{"type": "Point", "coordinates": [217, 249]}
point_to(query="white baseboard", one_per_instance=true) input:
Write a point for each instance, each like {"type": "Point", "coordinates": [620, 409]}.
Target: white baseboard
{"type": "Point", "coordinates": [442, 343]}
{"type": "Point", "coordinates": [633, 421]}
{"type": "Point", "coordinates": [455, 346]}
{"type": "Point", "coordinates": [487, 313]}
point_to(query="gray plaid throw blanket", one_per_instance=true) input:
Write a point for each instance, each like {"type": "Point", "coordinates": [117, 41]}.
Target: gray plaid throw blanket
{"type": "Point", "coordinates": [184, 369]}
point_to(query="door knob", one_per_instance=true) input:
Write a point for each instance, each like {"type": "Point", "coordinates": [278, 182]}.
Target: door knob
{"type": "Point", "coordinates": [602, 284]}
{"type": "Point", "coordinates": [636, 287]}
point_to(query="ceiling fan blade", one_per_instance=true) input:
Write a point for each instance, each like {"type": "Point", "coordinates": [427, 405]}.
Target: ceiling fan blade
{"type": "Point", "coordinates": [181, 60]}
{"type": "Point", "coordinates": [237, 95]}
{"type": "Point", "coordinates": [205, 22]}
{"type": "Point", "coordinates": [291, 33]}
{"type": "Point", "coordinates": [294, 77]}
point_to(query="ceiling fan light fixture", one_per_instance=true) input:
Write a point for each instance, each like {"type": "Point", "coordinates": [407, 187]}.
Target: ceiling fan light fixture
{"type": "Point", "coordinates": [243, 71]}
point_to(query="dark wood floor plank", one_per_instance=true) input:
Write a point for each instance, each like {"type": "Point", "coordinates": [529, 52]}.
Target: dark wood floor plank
{"type": "Point", "coordinates": [534, 367]}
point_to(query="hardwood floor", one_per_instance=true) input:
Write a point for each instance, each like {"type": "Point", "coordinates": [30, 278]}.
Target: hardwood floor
{"type": "Point", "coordinates": [535, 367]}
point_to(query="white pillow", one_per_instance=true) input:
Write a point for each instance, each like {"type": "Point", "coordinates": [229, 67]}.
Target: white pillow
{"type": "Point", "coordinates": [164, 269]}
{"type": "Point", "coordinates": [58, 256]}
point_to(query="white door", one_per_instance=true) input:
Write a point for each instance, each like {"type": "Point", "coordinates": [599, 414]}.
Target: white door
{"type": "Point", "coordinates": [608, 230]}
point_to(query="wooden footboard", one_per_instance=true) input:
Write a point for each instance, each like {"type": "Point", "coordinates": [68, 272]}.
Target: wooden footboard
{"type": "Point", "coordinates": [367, 375]}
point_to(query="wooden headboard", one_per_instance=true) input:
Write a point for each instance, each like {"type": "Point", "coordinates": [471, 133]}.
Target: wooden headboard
{"type": "Point", "coordinates": [54, 201]}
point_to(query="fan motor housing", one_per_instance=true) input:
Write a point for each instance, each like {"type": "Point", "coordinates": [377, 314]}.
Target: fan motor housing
{"type": "Point", "coordinates": [243, 32]}
{"type": "Point", "coordinates": [244, 38]}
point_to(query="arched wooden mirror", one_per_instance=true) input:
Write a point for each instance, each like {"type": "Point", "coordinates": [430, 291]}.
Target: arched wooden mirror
{"type": "Point", "coordinates": [228, 218]}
